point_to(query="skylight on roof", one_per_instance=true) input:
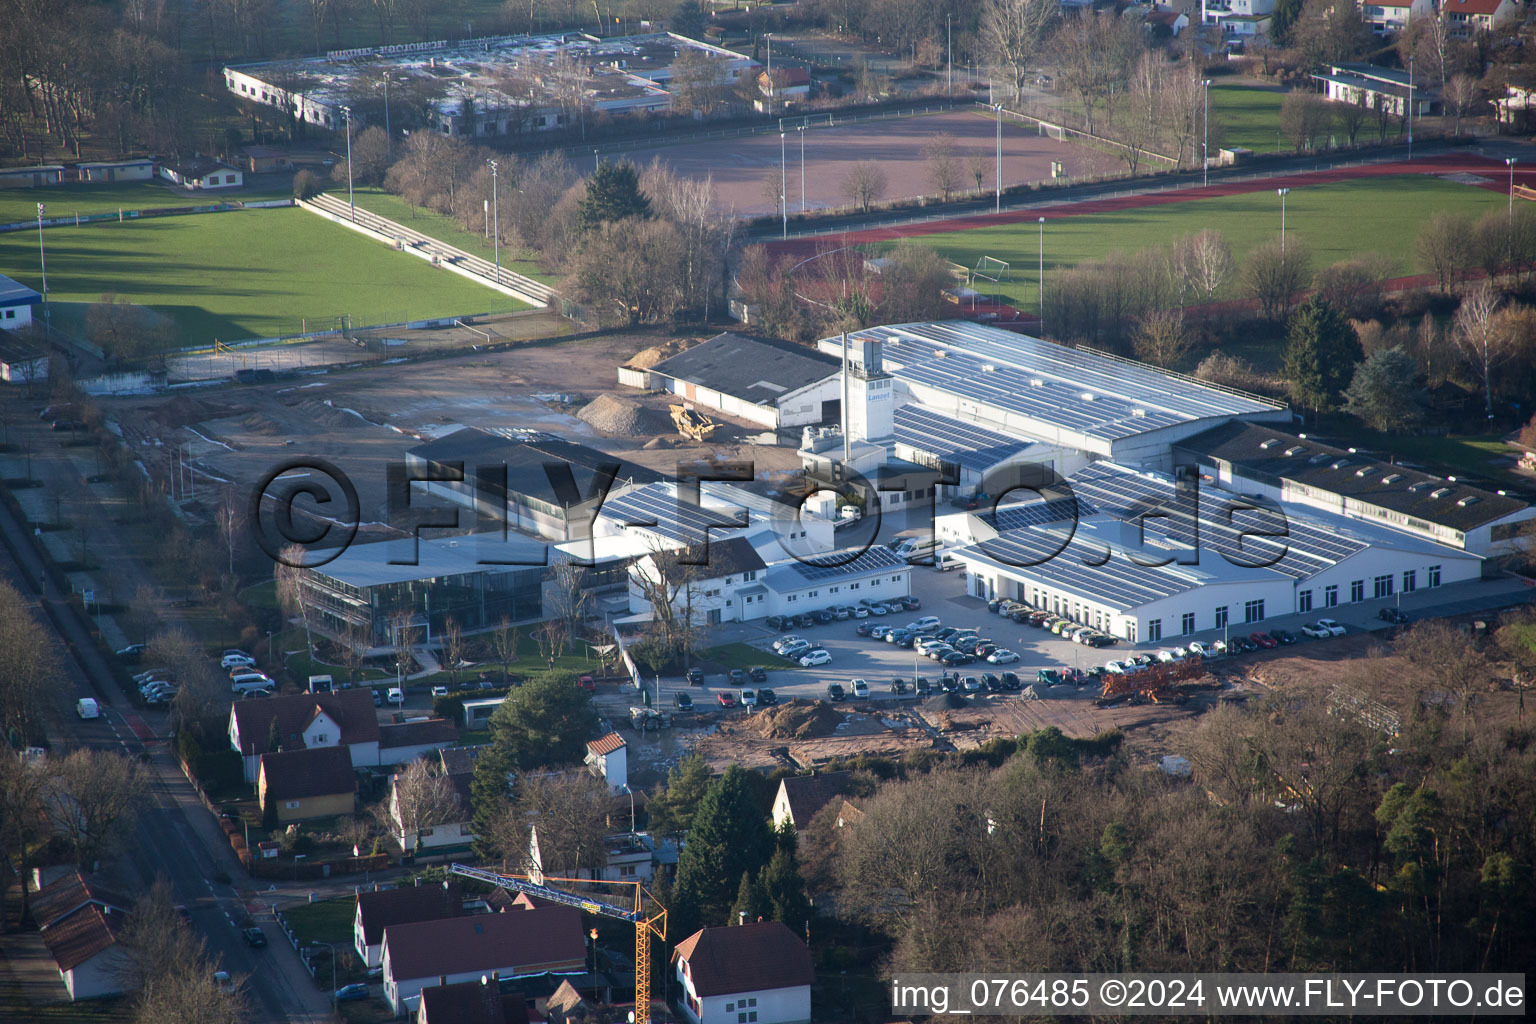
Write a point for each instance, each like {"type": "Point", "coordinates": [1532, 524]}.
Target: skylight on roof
{"type": "Point", "coordinates": [1269, 443]}
{"type": "Point", "coordinates": [1363, 471]}
{"type": "Point", "coordinates": [1296, 449]}
{"type": "Point", "coordinates": [1440, 492]}
{"type": "Point", "coordinates": [1470, 499]}
{"type": "Point", "coordinates": [1391, 478]}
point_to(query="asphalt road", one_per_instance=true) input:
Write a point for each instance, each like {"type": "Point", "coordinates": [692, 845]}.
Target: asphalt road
{"type": "Point", "coordinates": [166, 842]}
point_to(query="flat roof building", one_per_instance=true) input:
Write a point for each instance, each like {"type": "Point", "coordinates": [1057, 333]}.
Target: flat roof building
{"type": "Point", "coordinates": [763, 380]}
{"type": "Point", "coordinates": [17, 302]}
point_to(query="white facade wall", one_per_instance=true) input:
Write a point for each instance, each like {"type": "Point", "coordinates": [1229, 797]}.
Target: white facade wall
{"type": "Point", "coordinates": [771, 1006]}
{"type": "Point", "coordinates": [894, 582]}
{"type": "Point", "coordinates": [407, 754]}
{"type": "Point", "coordinates": [13, 318]}
{"type": "Point", "coordinates": [95, 977]}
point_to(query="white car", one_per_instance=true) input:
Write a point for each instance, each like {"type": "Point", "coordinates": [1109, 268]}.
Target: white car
{"type": "Point", "coordinates": [816, 657]}
{"type": "Point", "coordinates": [1323, 628]}
{"type": "Point", "coordinates": [860, 690]}
{"type": "Point", "coordinates": [86, 707]}
{"type": "Point", "coordinates": [439, 691]}
{"type": "Point", "coordinates": [1114, 668]}
{"type": "Point", "coordinates": [1180, 653]}
{"type": "Point", "coordinates": [1333, 628]}
{"type": "Point", "coordinates": [1167, 656]}
{"type": "Point", "coordinates": [747, 698]}
{"type": "Point", "coordinates": [230, 661]}
{"type": "Point", "coordinates": [395, 695]}
{"type": "Point", "coordinates": [860, 612]}
{"type": "Point", "coordinates": [1002, 657]}
{"type": "Point", "coordinates": [1205, 650]}
{"type": "Point", "coordinates": [784, 641]}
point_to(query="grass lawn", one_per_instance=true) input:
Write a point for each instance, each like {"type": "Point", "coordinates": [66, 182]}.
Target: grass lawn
{"type": "Point", "coordinates": [1337, 221]}
{"type": "Point", "coordinates": [248, 274]}
{"type": "Point", "coordinates": [444, 229]}
{"type": "Point", "coordinates": [323, 921]}
{"type": "Point", "coordinates": [1452, 454]}
{"type": "Point", "coordinates": [729, 656]}
{"type": "Point", "coordinates": [1249, 117]}
{"type": "Point", "coordinates": [19, 204]}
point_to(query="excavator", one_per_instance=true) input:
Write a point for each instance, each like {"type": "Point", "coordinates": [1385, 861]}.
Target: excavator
{"type": "Point", "coordinates": [692, 424]}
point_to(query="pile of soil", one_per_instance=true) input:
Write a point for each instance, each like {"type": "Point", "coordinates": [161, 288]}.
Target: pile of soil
{"type": "Point", "coordinates": [649, 357]}
{"type": "Point", "coordinates": [623, 417]}
{"type": "Point", "coordinates": [947, 702]}
{"type": "Point", "coordinates": [327, 415]}
{"type": "Point", "coordinates": [259, 423]}
{"type": "Point", "coordinates": [798, 720]}
{"type": "Point", "coordinates": [182, 410]}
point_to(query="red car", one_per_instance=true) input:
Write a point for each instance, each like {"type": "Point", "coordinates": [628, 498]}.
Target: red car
{"type": "Point", "coordinates": [587, 683]}
{"type": "Point", "coordinates": [1264, 640]}
{"type": "Point", "coordinates": [727, 700]}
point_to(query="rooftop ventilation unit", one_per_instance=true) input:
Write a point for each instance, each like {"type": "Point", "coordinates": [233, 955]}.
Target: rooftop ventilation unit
{"type": "Point", "coordinates": [1391, 478]}
{"type": "Point", "coordinates": [1440, 492]}
{"type": "Point", "coordinates": [1363, 471]}
{"type": "Point", "coordinates": [941, 353]}
{"type": "Point", "coordinates": [1470, 499]}
{"type": "Point", "coordinates": [1295, 449]}
{"type": "Point", "coordinates": [1036, 382]}
{"type": "Point", "coordinates": [1318, 460]}
{"type": "Point", "coordinates": [1419, 485]}
{"type": "Point", "coordinates": [1087, 396]}
{"type": "Point", "coordinates": [1270, 443]}
{"type": "Point", "coordinates": [1339, 464]}
{"type": "Point", "coordinates": [1139, 412]}
{"type": "Point", "coordinates": [988, 368]}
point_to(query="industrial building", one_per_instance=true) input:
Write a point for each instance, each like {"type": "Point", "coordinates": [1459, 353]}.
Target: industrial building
{"type": "Point", "coordinates": [487, 87]}
{"type": "Point", "coordinates": [16, 310]}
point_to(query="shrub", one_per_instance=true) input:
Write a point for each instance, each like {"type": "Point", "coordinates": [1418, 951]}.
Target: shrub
{"type": "Point", "coordinates": [306, 185]}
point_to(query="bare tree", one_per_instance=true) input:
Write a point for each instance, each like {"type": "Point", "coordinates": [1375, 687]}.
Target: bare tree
{"type": "Point", "coordinates": [1012, 33]}
{"type": "Point", "coordinates": [200, 689]}
{"type": "Point", "coordinates": [504, 641]}
{"type": "Point", "coordinates": [230, 517]}
{"type": "Point", "coordinates": [453, 648]}
{"type": "Point", "coordinates": [29, 668]}
{"type": "Point", "coordinates": [1481, 335]}
{"type": "Point", "coordinates": [942, 165]}
{"type": "Point", "coordinates": [422, 797]}
{"type": "Point", "coordinates": [569, 593]}
{"type": "Point", "coordinates": [92, 801]}
{"type": "Point", "coordinates": [979, 165]}
{"type": "Point", "coordinates": [1211, 261]}
{"type": "Point", "coordinates": [773, 189]}
{"type": "Point", "coordinates": [1162, 339]}
{"type": "Point", "coordinates": [570, 811]}
{"type": "Point", "coordinates": [1461, 95]}
{"type": "Point", "coordinates": [352, 647]}
{"type": "Point", "coordinates": [1350, 116]}
{"type": "Point", "coordinates": [23, 828]}
{"type": "Point", "coordinates": [403, 635]}
{"type": "Point", "coordinates": [1273, 274]}
{"type": "Point", "coordinates": [864, 184]}
{"type": "Point", "coordinates": [1455, 665]}
{"type": "Point", "coordinates": [290, 592]}
{"type": "Point", "coordinates": [1303, 119]}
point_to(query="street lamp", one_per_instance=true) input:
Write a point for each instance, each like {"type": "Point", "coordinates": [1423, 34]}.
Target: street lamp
{"type": "Point", "coordinates": [997, 109]}
{"type": "Point", "coordinates": [949, 61]}
{"type": "Point", "coordinates": [1409, 101]}
{"type": "Point", "coordinates": [783, 186]}
{"type": "Point", "coordinates": [331, 946]}
{"type": "Point", "coordinates": [632, 797]}
{"type": "Point", "coordinates": [347, 113]}
{"type": "Point", "coordinates": [1205, 147]}
{"type": "Point", "coordinates": [496, 214]}
{"type": "Point", "coordinates": [42, 258]}
{"type": "Point", "coordinates": [1041, 292]}
{"type": "Point", "coordinates": [1282, 193]}
{"type": "Point", "coordinates": [802, 168]}
{"type": "Point", "coordinates": [1510, 162]}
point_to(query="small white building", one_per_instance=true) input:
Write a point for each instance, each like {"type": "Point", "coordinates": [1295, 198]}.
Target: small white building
{"type": "Point", "coordinates": [202, 174]}
{"type": "Point", "coordinates": [457, 765]}
{"type": "Point", "coordinates": [608, 757]}
{"type": "Point", "coordinates": [1376, 88]}
{"type": "Point", "coordinates": [305, 721]}
{"type": "Point", "coordinates": [17, 302]}
{"type": "Point", "coordinates": [117, 170]}
{"type": "Point", "coordinates": [755, 973]}
{"type": "Point", "coordinates": [800, 797]}
{"type": "Point", "coordinates": [1389, 17]}
{"type": "Point", "coordinates": [627, 857]}
{"type": "Point", "coordinates": [776, 384]}
{"type": "Point", "coordinates": [1238, 17]}
{"type": "Point", "coordinates": [712, 583]}
{"type": "Point", "coordinates": [80, 924]}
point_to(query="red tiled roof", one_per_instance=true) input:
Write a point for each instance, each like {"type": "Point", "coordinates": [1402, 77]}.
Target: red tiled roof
{"type": "Point", "coordinates": [1484, 7]}
{"type": "Point", "coordinates": [605, 744]}
{"type": "Point", "coordinates": [352, 710]}
{"type": "Point", "coordinates": [79, 936]}
{"type": "Point", "coordinates": [530, 942]}
{"type": "Point", "coordinates": [472, 1002]}
{"type": "Point", "coordinates": [296, 774]}
{"type": "Point", "coordinates": [403, 906]}
{"type": "Point", "coordinates": [746, 958]}
{"type": "Point", "coordinates": [68, 893]}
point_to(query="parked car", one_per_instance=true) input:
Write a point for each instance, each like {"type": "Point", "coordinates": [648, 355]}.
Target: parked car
{"type": "Point", "coordinates": [378, 697]}
{"type": "Point", "coordinates": [1048, 677]}
{"type": "Point", "coordinates": [922, 687]}
{"type": "Point", "coordinates": [1199, 647]}
{"type": "Point", "coordinates": [1392, 615]}
{"type": "Point", "coordinates": [1002, 657]}
{"type": "Point", "coordinates": [860, 612]}
{"type": "Point", "coordinates": [695, 677]}
{"type": "Point", "coordinates": [949, 682]}
{"type": "Point", "coordinates": [992, 683]}
{"type": "Point", "coordinates": [737, 676]}
{"type": "Point", "coordinates": [254, 937]}
{"type": "Point", "coordinates": [835, 692]}
{"type": "Point", "coordinates": [1264, 640]}
{"type": "Point", "coordinates": [1283, 636]}
{"type": "Point", "coordinates": [898, 685]}
{"type": "Point", "coordinates": [953, 658]}
{"type": "Point", "coordinates": [767, 698]}
{"type": "Point", "coordinates": [795, 651]}
{"type": "Point", "coordinates": [822, 616]}
{"type": "Point", "coordinates": [748, 698]}
{"type": "Point", "coordinates": [926, 622]}
{"type": "Point", "coordinates": [439, 691]}
{"type": "Point", "coordinates": [231, 661]}
{"type": "Point", "coordinates": [1322, 629]}
{"type": "Point", "coordinates": [860, 690]}
{"type": "Point", "coordinates": [994, 604]}
{"type": "Point", "coordinates": [1011, 682]}
{"type": "Point", "coordinates": [395, 695]}
{"type": "Point", "coordinates": [785, 641]}
{"type": "Point", "coordinates": [352, 993]}
{"type": "Point", "coordinates": [773, 621]}
{"type": "Point", "coordinates": [758, 674]}
{"type": "Point", "coordinates": [683, 702]}
{"type": "Point", "coordinates": [816, 657]}
{"type": "Point", "coordinates": [863, 628]}
{"type": "Point", "coordinates": [133, 652]}
{"type": "Point", "coordinates": [725, 699]}
{"type": "Point", "coordinates": [970, 684]}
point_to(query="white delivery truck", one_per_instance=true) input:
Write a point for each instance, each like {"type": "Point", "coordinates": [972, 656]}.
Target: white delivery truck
{"type": "Point", "coordinates": [916, 546]}
{"type": "Point", "coordinates": [86, 707]}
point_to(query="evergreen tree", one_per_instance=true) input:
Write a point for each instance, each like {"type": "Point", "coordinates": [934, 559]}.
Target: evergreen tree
{"type": "Point", "coordinates": [1384, 391]}
{"type": "Point", "coordinates": [274, 737]}
{"type": "Point", "coordinates": [688, 19]}
{"type": "Point", "coordinates": [672, 809]}
{"type": "Point", "coordinates": [729, 837]}
{"type": "Point", "coordinates": [751, 902]}
{"type": "Point", "coordinates": [783, 890]}
{"type": "Point", "coordinates": [489, 794]}
{"type": "Point", "coordinates": [613, 193]}
{"type": "Point", "coordinates": [1321, 354]}
{"type": "Point", "coordinates": [546, 721]}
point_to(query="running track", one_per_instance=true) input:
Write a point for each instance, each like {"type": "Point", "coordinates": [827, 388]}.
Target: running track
{"type": "Point", "coordinates": [1449, 163]}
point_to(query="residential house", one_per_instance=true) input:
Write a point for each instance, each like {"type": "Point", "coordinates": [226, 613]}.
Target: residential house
{"type": "Point", "coordinates": [566, 1004]}
{"type": "Point", "coordinates": [297, 785]}
{"type": "Point", "coordinates": [784, 88]}
{"type": "Point", "coordinates": [80, 922]}
{"type": "Point", "coordinates": [607, 756]}
{"type": "Point", "coordinates": [1376, 88]}
{"type": "Point", "coordinates": [83, 945]}
{"type": "Point", "coordinates": [627, 858]}
{"type": "Point", "coordinates": [404, 742]}
{"type": "Point", "coordinates": [756, 973]}
{"type": "Point", "coordinates": [416, 955]}
{"type": "Point", "coordinates": [801, 797]}
{"type": "Point", "coordinates": [201, 173]}
{"type": "Point", "coordinates": [767, 381]}
{"type": "Point", "coordinates": [378, 910]}
{"type": "Point", "coordinates": [471, 1002]}
{"type": "Point", "coordinates": [849, 814]}
{"type": "Point", "coordinates": [304, 721]}
{"type": "Point", "coordinates": [1238, 18]}
{"type": "Point", "coordinates": [1165, 19]}
{"type": "Point", "coordinates": [1466, 18]}
{"type": "Point", "coordinates": [713, 582]}
{"type": "Point", "coordinates": [16, 306]}
{"type": "Point", "coordinates": [457, 765]}
{"type": "Point", "coordinates": [1515, 106]}
{"type": "Point", "coordinates": [1390, 17]}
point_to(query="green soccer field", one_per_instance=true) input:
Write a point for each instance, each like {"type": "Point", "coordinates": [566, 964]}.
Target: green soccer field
{"type": "Point", "coordinates": [444, 229]}
{"type": "Point", "coordinates": [1249, 118]}
{"type": "Point", "coordinates": [20, 204]}
{"type": "Point", "coordinates": [1337, 221]}
{"type": "Point", "coordinates": [247, 274]}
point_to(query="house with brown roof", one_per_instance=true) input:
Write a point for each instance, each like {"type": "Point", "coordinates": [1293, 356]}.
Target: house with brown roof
{"type": "Point", "coordinates": [471, 1002]}
{"type": "Point", "coordinates": [83, 943]}
{"type": "Point", "coordinates": [749, 974]}
{"type": "Point", "coordinates": [378, 910]}
{"type": "Point", "coordinates": [301, 784]}
{"type": "Point", "coordinates": [345, 718]}
{"type": "Point", "coordinates": [608, 756]}
{"type": "Point", "coordinates": [511, 945]}
{"type": "Point", "coordinates": [1466, 18]}
{"type": "Point", "coordinates": [67, 893]}
{"type": "Point", "coordinates": [800, 797]}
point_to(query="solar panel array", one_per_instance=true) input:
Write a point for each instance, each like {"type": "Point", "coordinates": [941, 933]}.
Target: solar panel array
{"type": "Point", "coordinates": [952, 440]}
{"type": "Point", "coordinates": [1039, 513]}
{"type": "Point", "coordinates": [674, 517]}
{"type": "Point", "coordinates": [1066, 388]}
{"type": "Point", "coordinates": [827, 566]}
{"type": "Point", "coordinates": [1302, 548]}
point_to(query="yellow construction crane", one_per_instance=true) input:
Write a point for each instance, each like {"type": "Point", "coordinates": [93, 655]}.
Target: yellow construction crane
{"type": "Point", "coordinates": [646, 919]}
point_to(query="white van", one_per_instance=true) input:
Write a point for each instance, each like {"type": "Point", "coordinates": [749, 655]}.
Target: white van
{"type": "Point", "coordinates": [913, 549]}
{"type": "Point", "coordinates": [252, 681]}
{"type": "Point", "coordinates": [86, 707]}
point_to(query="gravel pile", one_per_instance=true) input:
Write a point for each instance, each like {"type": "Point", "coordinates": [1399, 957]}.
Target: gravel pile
{"type": "Point", "coordinates": [798, 720]}
{"type": "Point", "coordinates": [623, 417]}
{"type": "Point", "coordinates": [947, 702]}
